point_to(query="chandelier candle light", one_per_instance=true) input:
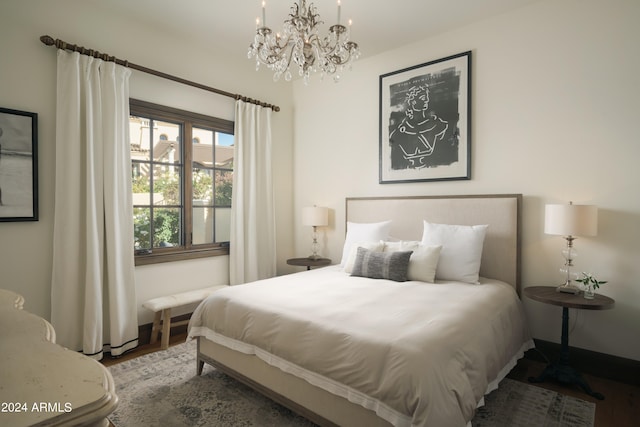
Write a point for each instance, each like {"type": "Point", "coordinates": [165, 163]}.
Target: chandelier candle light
{"type": "Point", "coordinates": [569, 221]}
{"type": "Point", "coordinates": [301, 45]}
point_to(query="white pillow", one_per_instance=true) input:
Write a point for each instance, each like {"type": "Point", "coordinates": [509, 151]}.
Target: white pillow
{"type": "Point", "coordinates": [364, 232]}
{"type": "Point", "coordinates": [423, 261]}
{"type": "Point", "coordinates": [351, 259]}
{"type": "Point", "coordinates": [400, 245]}
{"type": "Point", "coordinates": [461, 250]}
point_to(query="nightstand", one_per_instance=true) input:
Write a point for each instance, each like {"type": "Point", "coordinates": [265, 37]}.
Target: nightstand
{"type": "Point", "coordinates": [561, 370]}
{"type": "Point", "coordinates": [309, 262]}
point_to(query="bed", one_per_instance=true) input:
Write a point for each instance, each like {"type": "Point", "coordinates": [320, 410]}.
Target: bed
{"type": "Point", "coordinates": [419, 321]}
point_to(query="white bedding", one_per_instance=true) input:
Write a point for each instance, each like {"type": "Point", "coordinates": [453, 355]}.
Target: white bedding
{"type": "Point", "coordinates": [416, 353]}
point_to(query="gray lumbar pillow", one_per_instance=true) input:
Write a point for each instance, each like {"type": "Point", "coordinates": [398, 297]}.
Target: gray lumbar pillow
{"type": "Point", "coordinates": [382, 265]}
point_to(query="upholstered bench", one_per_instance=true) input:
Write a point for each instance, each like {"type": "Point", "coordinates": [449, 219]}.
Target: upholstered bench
{"type": "Point", "coordinates": [162, 306]}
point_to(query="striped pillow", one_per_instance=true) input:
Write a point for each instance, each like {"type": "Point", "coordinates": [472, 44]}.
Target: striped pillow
{"type": "Point", "coordinates": [382, 265]}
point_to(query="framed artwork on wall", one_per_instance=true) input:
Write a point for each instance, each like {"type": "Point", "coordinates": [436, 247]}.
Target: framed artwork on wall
{"type": "Point", "coordinates": [425, 122]}
{"type": "Point", "coordinates": [18, 165]}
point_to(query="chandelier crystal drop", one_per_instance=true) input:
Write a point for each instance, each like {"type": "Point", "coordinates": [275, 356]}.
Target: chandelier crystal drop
{"type": "Point", "coordinates": [300, 45]}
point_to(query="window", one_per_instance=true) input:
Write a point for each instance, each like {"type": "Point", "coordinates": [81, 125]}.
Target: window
{"type": "Point", "coordinates": [181, 192]}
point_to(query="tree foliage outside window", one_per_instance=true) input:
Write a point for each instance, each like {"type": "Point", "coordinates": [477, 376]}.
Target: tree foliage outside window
{"type": "Point", "coordinates": [166, 221]}
{"type": "Point", "coordinates": [224, 184]}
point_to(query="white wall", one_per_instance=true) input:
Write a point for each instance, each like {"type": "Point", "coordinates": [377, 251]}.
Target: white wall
{"type": "Point", "coordinates": [28, 81]}
{"type": "Point", "coordinates": [554, 107]}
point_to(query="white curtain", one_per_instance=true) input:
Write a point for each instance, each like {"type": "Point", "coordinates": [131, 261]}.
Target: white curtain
{"type": "Point", "coordinates": [93, 303]}
{"type": "Point", "coordinates": [252, 248]}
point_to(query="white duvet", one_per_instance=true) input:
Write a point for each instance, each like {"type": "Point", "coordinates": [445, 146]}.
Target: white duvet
{"type": "Point", "coordinates": [418, 354]}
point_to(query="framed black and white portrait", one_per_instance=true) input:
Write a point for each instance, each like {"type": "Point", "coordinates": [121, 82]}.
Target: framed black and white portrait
{"type": "Point", "coordinates": [425, 121]}
{"type": "Point", "coordinates": [18, 165]}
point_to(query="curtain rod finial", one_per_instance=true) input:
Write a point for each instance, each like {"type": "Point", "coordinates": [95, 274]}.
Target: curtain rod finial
{"type": "Point", "coordinates": [48, 40]}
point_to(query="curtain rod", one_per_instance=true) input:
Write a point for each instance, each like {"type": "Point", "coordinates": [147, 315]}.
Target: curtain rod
{"type": "Point", "coordinates": [50, 41]}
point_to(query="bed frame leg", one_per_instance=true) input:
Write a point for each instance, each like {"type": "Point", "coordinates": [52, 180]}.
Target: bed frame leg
{"type": "Point", "coordinates": [200, 366]}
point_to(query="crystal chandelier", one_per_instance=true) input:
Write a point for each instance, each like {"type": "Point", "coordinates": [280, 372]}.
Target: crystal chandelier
{"type": "Point", "coordinates": [300, 45]}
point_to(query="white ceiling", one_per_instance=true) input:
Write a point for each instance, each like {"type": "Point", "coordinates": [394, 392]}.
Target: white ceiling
{"type": "Point", "coordinates": [378, 26]}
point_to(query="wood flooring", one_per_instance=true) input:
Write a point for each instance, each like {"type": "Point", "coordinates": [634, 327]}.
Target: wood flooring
{"type": "Point", "coordinates": [620, 408]}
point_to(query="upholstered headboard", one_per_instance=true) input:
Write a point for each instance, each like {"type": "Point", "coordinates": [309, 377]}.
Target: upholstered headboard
{"type": "Point", "coordinates": [501, 252]}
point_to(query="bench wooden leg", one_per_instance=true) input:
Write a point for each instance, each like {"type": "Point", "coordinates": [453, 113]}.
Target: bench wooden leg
{"type": "Point", "coordinates": [155, 330]}
{"type": "Point", "coordinates": [166, 328]}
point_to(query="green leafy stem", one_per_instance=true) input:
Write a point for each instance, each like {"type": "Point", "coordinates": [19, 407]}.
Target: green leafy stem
{"type": "Point", "coordinates": [589, 280]}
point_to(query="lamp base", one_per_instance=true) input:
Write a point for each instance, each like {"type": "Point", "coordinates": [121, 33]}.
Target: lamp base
{"type": "Point", "coordinates": [568, 289]}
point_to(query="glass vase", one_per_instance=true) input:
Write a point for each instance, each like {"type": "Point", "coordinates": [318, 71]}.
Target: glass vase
{"type": "Point", "coordinates": [588, 292]}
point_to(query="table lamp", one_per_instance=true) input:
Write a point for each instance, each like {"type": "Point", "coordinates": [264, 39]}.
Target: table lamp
{"type": "Point", "coordinates": [315, 217]}
{"type": "Point", "coordinates": [570, 220]}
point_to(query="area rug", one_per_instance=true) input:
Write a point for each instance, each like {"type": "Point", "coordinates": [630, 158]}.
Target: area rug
{"type": "Point", "coordinates": [516, 404]}
{"type": "Point", "coordinates": [162, 389]}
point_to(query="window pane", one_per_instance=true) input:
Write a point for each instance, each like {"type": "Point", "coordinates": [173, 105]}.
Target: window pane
{"type": "Point", "coordinates": [139, 138]}
{"type": "Point", "coordinates": [223, 224]}
{"type": "Point", "coordinates": [141, 185]}
{"type": "Point", "coordinates": [202, 187]}
{"type": "Point", "coordinates": [166, 142]}
{"type": "Point", "coordinates": [224, 150]}
{"type": "Point", "coordinates": [166, 227]}
{"type": "Point", "coordinates": [202, 147]}
{"type": "Point", "coordinates": [202, 224]}
{"type": "Point", "coordinates": [167, 185]}
{"type": "Point", "coordinates": [142, 228]}
{"type": "Point", "coordinates": [224, 184]}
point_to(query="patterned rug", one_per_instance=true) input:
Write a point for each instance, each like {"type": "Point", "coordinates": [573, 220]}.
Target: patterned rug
{"type": "Point", "coordinates": [516, 404]}
{"type": "Point", "coordinates": [161, 389]}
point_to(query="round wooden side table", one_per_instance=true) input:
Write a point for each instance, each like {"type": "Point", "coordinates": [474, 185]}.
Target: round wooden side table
{"type": "Point", "coordinates": [309, 262]}
{"type": "Point", "coordinates": [561, 370]}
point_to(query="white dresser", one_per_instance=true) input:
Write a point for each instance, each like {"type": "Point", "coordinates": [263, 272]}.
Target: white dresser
{"type": "Point", "coordinates": [42, 383]}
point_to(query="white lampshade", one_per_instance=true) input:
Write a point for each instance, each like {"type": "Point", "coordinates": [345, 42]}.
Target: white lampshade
{"type": "Point", "coordinates": [571, 220]}
{"type": "Point", "coordinates": [315, 216]}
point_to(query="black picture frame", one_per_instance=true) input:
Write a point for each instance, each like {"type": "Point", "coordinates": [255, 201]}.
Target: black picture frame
{"type": "Point", "coordinates": [425, 122]}
{"type": "Point", "coordinates": [18, 165]}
